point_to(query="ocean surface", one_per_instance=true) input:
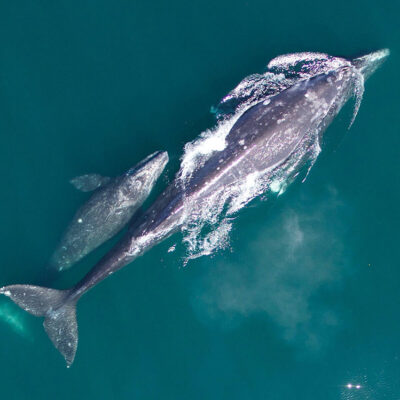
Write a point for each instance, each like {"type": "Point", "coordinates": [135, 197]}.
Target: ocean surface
{"type": "Point", "coordinates": [303, 303]}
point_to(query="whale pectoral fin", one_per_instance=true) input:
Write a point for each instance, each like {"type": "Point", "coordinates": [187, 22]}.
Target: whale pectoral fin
{"type": "Point", "coordinates": [89, 182]}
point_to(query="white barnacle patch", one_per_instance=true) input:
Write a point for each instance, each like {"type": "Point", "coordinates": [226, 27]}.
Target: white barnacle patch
{"type": "Point", "coordinates": [312, 96]}
{"type": "Point", "coordinates": [241, 142]}
{"type": "Point", "coordinates": [80, 220]}
{"type": "Point", "coordinates": [172, 248]}
{"type": "Point", "coordinates": [266, 102]}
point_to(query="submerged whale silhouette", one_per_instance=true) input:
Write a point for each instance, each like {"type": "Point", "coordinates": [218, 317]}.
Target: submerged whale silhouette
{"type": "Point", "coordinates": [108, 210]}
{"type": "Point", "coordinates": [271, 139]}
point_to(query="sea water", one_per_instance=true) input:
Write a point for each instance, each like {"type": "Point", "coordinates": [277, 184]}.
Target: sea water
{"type": "Point", "coordinates": [299, 302]}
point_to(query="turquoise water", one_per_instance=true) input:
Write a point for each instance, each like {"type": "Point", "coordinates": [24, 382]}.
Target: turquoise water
{"type": "Point", "coordinates": [305, 299]}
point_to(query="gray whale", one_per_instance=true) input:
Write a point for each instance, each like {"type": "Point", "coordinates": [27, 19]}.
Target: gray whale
{"type": "Point", "coordinates": [271, 139]}
{"type": "Point", "coordinates": [108, 210]}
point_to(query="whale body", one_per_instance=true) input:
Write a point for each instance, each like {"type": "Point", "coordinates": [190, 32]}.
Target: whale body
{"type": "Point", "coordinates": [272, 139]}
{"type": "Point", "coordinates": [108, 210]}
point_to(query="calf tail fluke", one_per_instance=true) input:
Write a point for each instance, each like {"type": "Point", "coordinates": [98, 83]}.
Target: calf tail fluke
{"type": "Point", "coordinates": [58, 310]}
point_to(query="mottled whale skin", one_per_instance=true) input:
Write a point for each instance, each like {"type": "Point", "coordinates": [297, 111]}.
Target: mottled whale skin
{"type": "Point", "coordinates": [108, 210]}
{"type": "Point", "coordinates": [312, 104]}
{"type": "Point", "coordinates": [262, 140]}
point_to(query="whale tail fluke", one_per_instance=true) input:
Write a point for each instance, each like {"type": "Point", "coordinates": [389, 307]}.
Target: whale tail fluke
{"type": "Point", "coordinates": [58, 310]}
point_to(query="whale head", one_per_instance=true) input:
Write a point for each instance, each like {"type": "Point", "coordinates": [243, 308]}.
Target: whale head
{"type": "Point", "coordinates": [359, 69]}
{"type": "Point", "coordinates": [365, 66]}
{"type": "Point", "coordinates": [369, 63]}
{"type": "Point", "coordinates": [140, 179]}
{"type": "Point", "coordinates": [149, 169]}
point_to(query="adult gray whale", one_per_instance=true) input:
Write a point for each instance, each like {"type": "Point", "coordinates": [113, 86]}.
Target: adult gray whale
{"type": "Point", "coordinates": [270, 140]}
{"type": "Point", "coordinates": [108, 210]}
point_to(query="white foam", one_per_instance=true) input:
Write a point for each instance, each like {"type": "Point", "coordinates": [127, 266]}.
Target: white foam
{"type": "Point", "coordinates": [197, 152]}
{"type": "Point", "coordinates": [208, 222]}
{"type": "Point", "coordinates": [286, 60]}
{"type": "Point", "coordinates": [358, 94]}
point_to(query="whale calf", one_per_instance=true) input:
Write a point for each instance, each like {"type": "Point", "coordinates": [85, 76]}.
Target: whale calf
{"type": "Point", "coordinates": [270, 139]}
{"type": "Point", "coordinates": [108, 210]}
